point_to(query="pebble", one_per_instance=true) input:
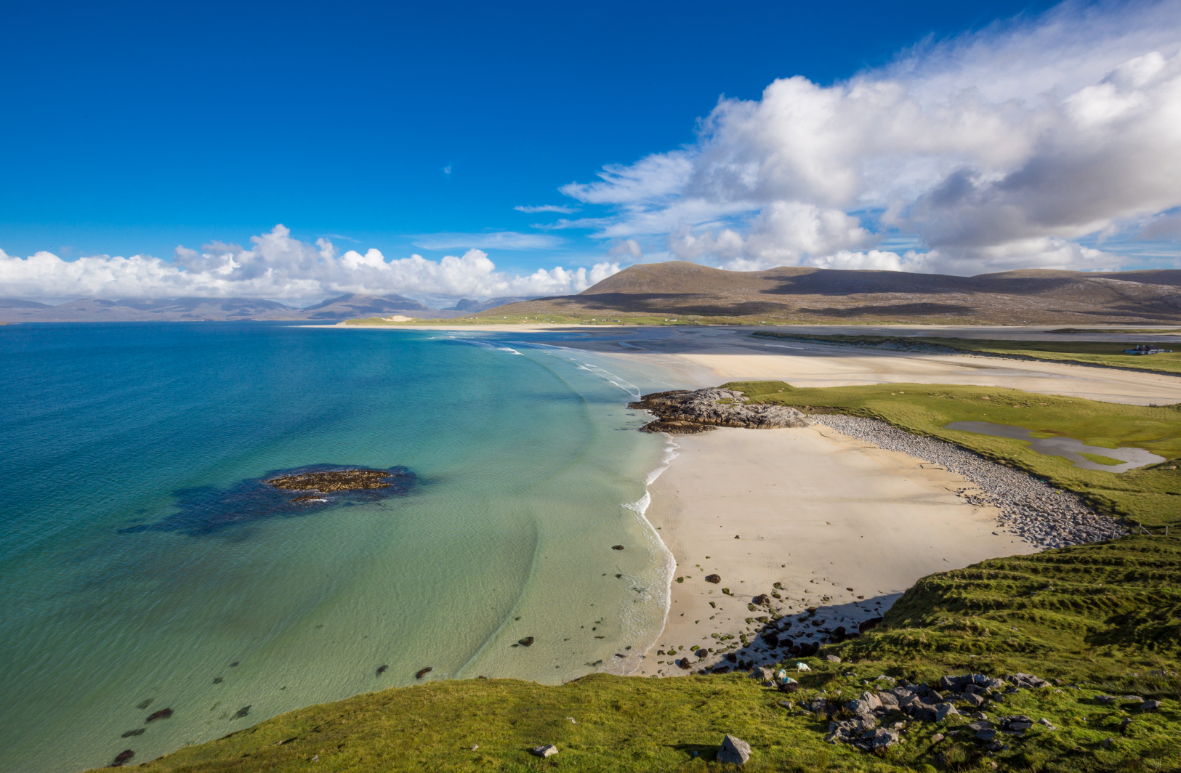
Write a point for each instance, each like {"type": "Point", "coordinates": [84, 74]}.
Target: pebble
{"type": "Point", "coordinates": [1030, 509]}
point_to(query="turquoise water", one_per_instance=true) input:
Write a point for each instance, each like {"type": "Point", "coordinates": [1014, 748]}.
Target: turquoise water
{"type": "Point", "coordinates": [524, 463]}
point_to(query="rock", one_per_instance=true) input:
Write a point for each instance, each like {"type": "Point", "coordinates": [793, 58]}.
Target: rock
{"type": "Point", "coordinates": [242, 712]}
{"type": "Point", "coordinates": [973, 700]}
{"type": "Point", "coordinates": [763, 673]}
{"type": "Point", "coordinates": [683, 411]}
{"type": "Point", "coordinates": [734, 750]}
{"type": "Point", "coordinates": [526, 642]}
{"type": "Point", "coordinates": [613, 547]}
{"type": "Point", "coordinates": [945, 710]}
{"type": "Point", "coordinates": [1046, 722]}
{"type": "Point", "coordinates": [871, 700]}
{"type": "Point", "coordinates": [866, 625]}
{"type": "Point", "coordinates": [1132, 699]}
{"type": "Point", "coordinates": [1020, 727]}
{"type": "Point", "coordinates": [889, 701]}
{"type": "Point", "coordinates": [423, 672]}
{"type": "Point", "coordinates": [1105, 699]}
{"type": "Point", "coordinates": [130, 733]}
{"type": "Point", "coordinates": [1150, 705]}
{"type": "Point", "coordinates": [714, 578]}
{"type": "Point", "coordinates": [832, 658]}
{"type": "Point", "coordinates": [333, 480]}
{"type": "Point", "coordinates": [122, 757]}
{"type": "Point", "coordinates": [937, 738]}
{"type": "Point", "coordinates": [761, 599]}
{"type": "Point", "coordinates": [684, 663]}
{"type": "Point", "coordinates": [882, 738]}
{"type": "Point", "coordinates": [381, 670]}
{"type": "Point", "coordinates": [161, 714]}
{"type": "Point", "coordinates": [545, 751]}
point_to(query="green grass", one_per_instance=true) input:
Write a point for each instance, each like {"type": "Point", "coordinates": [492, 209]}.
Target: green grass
{"type": "Point", "coordinates": [1151, 495]}
{"type": "Point", "coordinates": [1084, 352]}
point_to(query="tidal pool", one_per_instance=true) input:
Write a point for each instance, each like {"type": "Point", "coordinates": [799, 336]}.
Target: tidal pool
{"type": "Point", "coordinates": [1066, 447]}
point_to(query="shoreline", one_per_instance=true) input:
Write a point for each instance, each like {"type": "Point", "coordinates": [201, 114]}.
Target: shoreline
{"type": "Point", "coordinates": [842, 514]}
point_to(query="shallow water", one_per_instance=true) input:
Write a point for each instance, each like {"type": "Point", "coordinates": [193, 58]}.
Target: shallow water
{"type": "Point", "coordinates": [526, 471]}
{"type": "Point", "coordinates": [1066, 447]}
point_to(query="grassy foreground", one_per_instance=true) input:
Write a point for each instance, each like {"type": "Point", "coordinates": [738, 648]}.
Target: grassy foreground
{"type": "Point", "coordinates": [1084, 352]}
{"type": "Point", "coordinates": [1150, 495]}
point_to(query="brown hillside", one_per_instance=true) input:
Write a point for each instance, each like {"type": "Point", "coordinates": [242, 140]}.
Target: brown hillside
{"type": "Point", "coordinates": [821, 295]}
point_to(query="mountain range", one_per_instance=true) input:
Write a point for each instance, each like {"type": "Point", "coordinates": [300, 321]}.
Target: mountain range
{"type": "Point", "coordinates": [226, 309]}
{"type": "Point", "coordinates": [813, 295]}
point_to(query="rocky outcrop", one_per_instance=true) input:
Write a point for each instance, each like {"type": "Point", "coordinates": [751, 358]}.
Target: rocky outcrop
{"type": "Point", "coordinates": [681, 412]}
{"type": "Point", "coordinates": [734, 750]}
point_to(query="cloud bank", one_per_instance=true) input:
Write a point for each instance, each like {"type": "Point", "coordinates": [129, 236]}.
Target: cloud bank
{"type": "Point", "coordinates": [1002, 149]}
{"type": "Point", "coordinates": [279, 267]}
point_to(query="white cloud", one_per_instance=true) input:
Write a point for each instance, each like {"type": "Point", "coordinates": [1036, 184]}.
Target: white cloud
{"type": "Point", "coordinates": [502, 240]}
{"type": "Point", "coordinates": [561, 209]}
{"type": "Point", "coordinates": [628, 248]}
{"type": "Point", "coordinates": [280, 267]}
{"type": "Point", "coordinates": [997, 149]}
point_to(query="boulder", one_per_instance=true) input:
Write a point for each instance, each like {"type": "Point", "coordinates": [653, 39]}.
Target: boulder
{"type": "Point", "coordinates": [714, 578]}
{"type": "Point", "coordinates": [734, 750]}
{"type": "Point", "coordinates": [1150, 705]}
{"type": "Point", "coordinates": [832, 658]}
{"type": "Point", "coordinates": [871, 700]}
{"type": "Point", "coordinates": [882, 738]}
{"type": "Point", "coordinates": [122, 757]}
{"type": "Point", "coordinates": [545, 751]}
{"type": "Point", "coordinates": [868, 624]}
{"type": "Point", "coordinates": [945, 710]}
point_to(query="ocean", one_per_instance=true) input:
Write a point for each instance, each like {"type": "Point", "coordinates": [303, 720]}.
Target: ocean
{"type": "Point", "coordinates": [144, 567]}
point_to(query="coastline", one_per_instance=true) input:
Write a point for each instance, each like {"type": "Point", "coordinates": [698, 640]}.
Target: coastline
{"type": "Point", "coordinates": [805, 514]}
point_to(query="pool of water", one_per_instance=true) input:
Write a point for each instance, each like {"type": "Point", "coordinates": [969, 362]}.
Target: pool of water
{"type": "Point", "coordinates": [1066, 447]}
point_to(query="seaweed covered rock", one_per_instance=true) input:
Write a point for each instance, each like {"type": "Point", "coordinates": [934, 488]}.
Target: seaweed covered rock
{"type": "Point", "coordinates": [682, 412]}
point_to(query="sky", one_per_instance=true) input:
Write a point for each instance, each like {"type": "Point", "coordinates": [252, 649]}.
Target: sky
{"type": "Point", "coordinates": [297, 151]}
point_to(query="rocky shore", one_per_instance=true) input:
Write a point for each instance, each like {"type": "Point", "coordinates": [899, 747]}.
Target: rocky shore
{"type": "Point", "coordinates": [681, 412]}
{"type": "Point", "coordinates": [1039, 514]}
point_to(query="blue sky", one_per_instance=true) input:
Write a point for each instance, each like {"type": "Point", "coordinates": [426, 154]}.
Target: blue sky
{"type": "Point", "coordinates": [131, 129]}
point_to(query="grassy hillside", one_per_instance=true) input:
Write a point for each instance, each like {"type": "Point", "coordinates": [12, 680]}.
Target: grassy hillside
{"type": "Point", "coordinates": [1151, 495]}
{"type": "Point", "coordinates": [1085, 352]}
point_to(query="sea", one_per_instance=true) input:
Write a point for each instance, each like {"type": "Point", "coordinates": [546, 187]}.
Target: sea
{"type": "Point", "coordinates": [146, 569]}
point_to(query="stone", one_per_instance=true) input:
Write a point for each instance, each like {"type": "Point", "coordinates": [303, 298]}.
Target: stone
{"type": "Point", "coordinates": [974, 700]}
{"type": "Point", "coordinates": [545, 751]}
{"type": "Point", "coordinates": [882, 738]}
{"type": "Point", "coordinates": [613, 547]}
{"type": "Point", "coordinates": [1150, 705]}
{"type": "Point", "coordinates": [380, 670]}
{"type": "Point", "coordinates": [242, 712]}
{"type": "Point", "coordinates": [888, 700]}
{"type": "Point", "coordinates": [526, 642]}
{"type": "Point", "coordinates": [1046, 722]}
{"type": "Point", "coordinates": [161, 714]}
{"type": "Point", "coordinates": [423, 672]}
{"type": "Point", "coordinates": [122, 757]}
{"type": "Point", "coordinates": [832, 658]}
{"type": "Point", "coordinates": [866, 625]}
{"type": "Point", "coordinates": [945, 710]}
{"type": "Point", "coordinates": [937, 738]}
{"type": "Point", "coordinates": [130, 733]}
{"type": "Point", "coordinates": [734, 750]}
{"type": "Point", "coordinates": [714, 578]}
{"type": "Point", "coordinates": [763, 673]}
{"type": "Point", "coordinates": [871, 700]}
{"type": "Point", "coordinates": [707, 408]}
{"type": "Point", "coordinates": [761, 599]}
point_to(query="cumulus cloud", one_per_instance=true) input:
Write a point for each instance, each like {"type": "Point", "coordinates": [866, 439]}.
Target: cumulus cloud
{"type": "Point", "coordinates": [278, 266]}
{"type": "Point", "coordinates": [998, 149]}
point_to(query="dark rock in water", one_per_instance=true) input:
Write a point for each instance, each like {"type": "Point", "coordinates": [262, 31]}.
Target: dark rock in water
{"type": "Point", "coordinates": [526, 642]}
{"type": "Point", "coordinates": [130, 733]}
{"type": "Point", "coordinates": [122, 757]}
{"type": "Point", "coordinates": [217, 680]}
{"type": "Point", "coordinates": [617, 547]}
{"type": "Point", "coordinates": [161, 714]}
{"type": "Point", "coordinates": [423, 672]}
{"type": "Point", "coordinates": [234, 664]}
{"type": "Point", "coordinates": [730, 656]}
{"type": "Point", "coordinates": [381, 670]}
{"type": "Point", "coordinates": [681, 412]}
{"type": "Point", "coordinates": [145, 704]}
{"type": "Point", "coordinates": [328, 481]}
{"type": "Point", "coordinates": [207, 510]}
{"type": "Point", "coordinates": [242, 712]}
{"type": "Point", "coordinates": [714, 578]}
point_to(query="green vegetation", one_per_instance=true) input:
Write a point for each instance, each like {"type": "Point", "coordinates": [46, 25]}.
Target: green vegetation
{"type": "Point", "coordinates": [1083, 352]}
{"type": "Point", "coordinates": [1151, 495]}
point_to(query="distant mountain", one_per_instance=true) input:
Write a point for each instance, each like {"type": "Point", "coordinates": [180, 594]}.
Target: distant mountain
{"type": "Point", "coordinates": [467, 306]}
{"type": "Point", "coordinates": [817, 295]}
{"type": "Point", "coordinates": [349, 306]}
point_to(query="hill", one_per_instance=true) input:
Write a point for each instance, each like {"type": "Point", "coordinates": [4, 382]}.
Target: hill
{"type": "Point", "coordinates": [813, 295]}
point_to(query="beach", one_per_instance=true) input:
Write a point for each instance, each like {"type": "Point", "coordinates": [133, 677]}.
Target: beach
{"type": "Point", "coordinates": [838, 524]}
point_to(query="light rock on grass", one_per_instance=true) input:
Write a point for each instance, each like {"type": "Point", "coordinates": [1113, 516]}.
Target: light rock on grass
{"type": "Point", "coordinates": [734, 750]}
{"type": "Point", "coordinates": [545, 751]}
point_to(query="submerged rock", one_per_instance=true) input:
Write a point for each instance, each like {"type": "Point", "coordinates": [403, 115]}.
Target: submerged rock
{"type": "Point", "coordinates": [122, 757]}
{"type": "Point", "coordinates": [130, 733]}
{"type": "Point", "coordinates": [161, 714]}
{"type": "Point", "coordinates": [423, 672]}
{"type": "Point", "coordinates": [327, 481]}
{"type": "Point", "coordinates": [242, 712]}
{"type": "Point", "coordinates": [381, 670]}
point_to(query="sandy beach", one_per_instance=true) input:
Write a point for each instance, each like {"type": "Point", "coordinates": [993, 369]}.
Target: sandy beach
{"type": "Point", "coordinates": [810, 517]}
